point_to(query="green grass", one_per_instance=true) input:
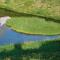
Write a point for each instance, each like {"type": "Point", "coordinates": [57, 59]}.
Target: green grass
{"type": "Point", "coordinates": [46, 50]}
{"type": "Point", "coordinates": [31, 24]}
{"type": "Point", "coordinates": [38, 44]}
{"type": "Point", "coordinates": [6, 47]}
{"type": "Point", "coordinates": [49, 8]}
{"type": "Point", "coordinates": [34, 25]}
{"type": "Point", "coordinates": [28, 45]}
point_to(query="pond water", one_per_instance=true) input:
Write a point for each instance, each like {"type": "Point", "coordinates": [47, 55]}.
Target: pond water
{"type": "Point", "coordinates": [8, 36]}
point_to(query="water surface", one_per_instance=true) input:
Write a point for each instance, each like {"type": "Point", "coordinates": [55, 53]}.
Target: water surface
{"type": "Point", "coordinates": [8, 36]}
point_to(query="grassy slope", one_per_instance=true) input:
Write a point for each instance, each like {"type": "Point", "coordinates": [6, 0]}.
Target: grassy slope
{"type": "Point", "coordinates": [46, 8]}
{"type": "Point", "coordinates": [48, 50]}
{"type": "Point", "coordinates": [39, 7]}
{"type": "Point", "coordinates": [34, 25]}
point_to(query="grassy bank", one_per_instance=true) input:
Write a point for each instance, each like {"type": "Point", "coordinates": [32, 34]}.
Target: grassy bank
{"type": "Point", "coordinates": [49, 8]}
{"type": "Point", "coordinates": [31, 24]}
{"type": "Point", "coordinates": [48, 50]}
{"type": "Point", "coordinates": [34, 25]}
{"type": "Point", "coordinates": [32, 16]}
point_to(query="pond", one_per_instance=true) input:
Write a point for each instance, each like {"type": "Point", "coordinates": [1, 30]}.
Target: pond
{"type": "Point", "coordinates": [8, 36]}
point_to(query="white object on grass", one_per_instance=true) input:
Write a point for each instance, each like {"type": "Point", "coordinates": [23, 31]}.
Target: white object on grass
{"type": "Point", "coordinates": [3, 20]}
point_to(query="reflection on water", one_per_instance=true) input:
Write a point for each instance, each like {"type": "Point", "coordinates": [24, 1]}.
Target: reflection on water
{"type": "Point", "coordinates": [8, 36]}
{"type": "Point", "coordinates": [2, 30]}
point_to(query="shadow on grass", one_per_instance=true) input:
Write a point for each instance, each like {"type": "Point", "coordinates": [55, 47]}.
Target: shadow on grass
{"type": "Point", "coordinates": [7, 12]}
{"type": "Point", "coordinates": [48, 51]}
